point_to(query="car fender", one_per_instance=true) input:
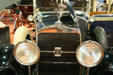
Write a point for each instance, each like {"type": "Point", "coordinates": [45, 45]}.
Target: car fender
{"type": "Point", "coordinates": [100, 36]}
{"type": "Point", "coordinates": [20, 34]}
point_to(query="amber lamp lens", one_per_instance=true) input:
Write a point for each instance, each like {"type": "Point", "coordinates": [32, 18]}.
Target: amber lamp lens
{"type": "Point", "coordinates": [89, 53]}
{"type": "Point", "coordinates": [27, 52]}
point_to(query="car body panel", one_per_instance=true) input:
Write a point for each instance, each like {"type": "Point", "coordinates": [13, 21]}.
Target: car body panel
{"type": "Point", "coordinates": [107, 24]}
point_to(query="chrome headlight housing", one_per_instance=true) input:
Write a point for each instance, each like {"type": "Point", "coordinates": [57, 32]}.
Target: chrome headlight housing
{"type": "Point", "coordinates": [89, 53]}
{"type": "Point", "coordinates": [92, 19]}
{"type": "Point", "coordinates": [30, 17]}
{"type": "Point", "coordinates": [27, 53]}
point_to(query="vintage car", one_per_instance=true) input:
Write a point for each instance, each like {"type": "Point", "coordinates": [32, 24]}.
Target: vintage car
{"type": "Point", "coordinates": [58, 38]}
{"type": "Point", "coordinates": [64, 43]}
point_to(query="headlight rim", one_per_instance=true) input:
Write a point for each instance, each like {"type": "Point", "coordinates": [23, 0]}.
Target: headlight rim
{"type": "Point", "coordinates": [101, 49]}
{"type": "Point", "coordinates": [21, 62]}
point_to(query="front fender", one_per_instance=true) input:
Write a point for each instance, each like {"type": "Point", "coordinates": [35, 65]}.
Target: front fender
{"type": "Point", "coordinates": [100, 36]}
{"type": "Point", "coordinates": [20, 34]}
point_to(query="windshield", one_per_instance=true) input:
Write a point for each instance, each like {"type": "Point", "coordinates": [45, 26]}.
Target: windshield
{"type": "Point", "coordinates": [49, 4]}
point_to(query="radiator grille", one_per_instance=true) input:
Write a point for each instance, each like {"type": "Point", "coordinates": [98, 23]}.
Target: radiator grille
{"type": "Point", "coordinates": [67, 41]}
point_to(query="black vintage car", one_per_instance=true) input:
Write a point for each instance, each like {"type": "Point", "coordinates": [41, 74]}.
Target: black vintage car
{"type": "Point", "coordinates": [58, 37]}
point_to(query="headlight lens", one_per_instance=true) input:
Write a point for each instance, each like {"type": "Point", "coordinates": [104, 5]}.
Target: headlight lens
{"type": "Point", "coordinates": [89, 53]}
{"type": "Point", "coordinates": [27, 52]}
{"type": "Point", "coordinates": [30, 17]}
{"type": "Point", "coordinates": [92, 19]}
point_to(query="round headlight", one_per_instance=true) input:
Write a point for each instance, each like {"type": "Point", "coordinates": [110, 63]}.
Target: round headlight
{"type": "Point", "coordinates": [30, 17]}
{"type": "Point", "coordinates": [27, 53]}
{"type": "Point", "coordinates": [92, 19]}
{"type": "Point", "coordinates": [89, 53]}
